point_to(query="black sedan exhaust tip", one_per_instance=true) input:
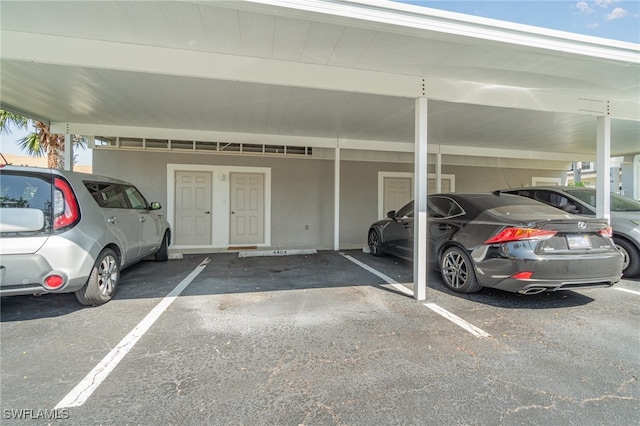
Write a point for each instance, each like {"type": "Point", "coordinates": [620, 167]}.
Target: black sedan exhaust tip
{"type": "Point", "coordinates": [534, 290]}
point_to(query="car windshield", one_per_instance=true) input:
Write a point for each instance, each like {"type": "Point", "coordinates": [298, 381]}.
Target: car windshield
{"type": "Point", "coordinates": [618, 202]}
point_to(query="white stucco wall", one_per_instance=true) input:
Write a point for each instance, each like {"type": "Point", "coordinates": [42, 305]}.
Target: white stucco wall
{"type": "Point", "coordinates": [302, 189]}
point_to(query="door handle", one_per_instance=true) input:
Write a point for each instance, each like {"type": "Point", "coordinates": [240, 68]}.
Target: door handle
{"type": "Point", "coordinates": [207, 212]}
{"type": "Point", "coordinates": [142, 219]}
{"type": "Point", "coordinates": [112, 219]}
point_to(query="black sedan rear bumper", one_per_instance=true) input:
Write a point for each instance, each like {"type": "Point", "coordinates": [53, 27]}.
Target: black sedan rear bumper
{"type": "Point", "coordinates": [550, 273]}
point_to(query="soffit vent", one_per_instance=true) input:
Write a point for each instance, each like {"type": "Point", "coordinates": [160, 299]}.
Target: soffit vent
{"type": "Point", "coordinates": [148, 144]}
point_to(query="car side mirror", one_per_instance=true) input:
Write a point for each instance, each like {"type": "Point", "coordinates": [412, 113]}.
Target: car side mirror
{"type": "Point", "coordinates": [391, 214]}
{"type": "Point", "coordinates": [155, 206]}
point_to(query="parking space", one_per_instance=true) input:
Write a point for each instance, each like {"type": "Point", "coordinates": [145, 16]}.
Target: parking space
{"type": "Point", "coordinates": [319, 339]}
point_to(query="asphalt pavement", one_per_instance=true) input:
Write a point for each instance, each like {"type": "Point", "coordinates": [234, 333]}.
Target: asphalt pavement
{"type": "Point", "coordinates": [318, 340]}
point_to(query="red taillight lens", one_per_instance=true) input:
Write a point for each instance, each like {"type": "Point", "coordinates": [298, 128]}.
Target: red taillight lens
{"type": "Point", "coordinates": [518, 234]}
{"type": "Point", "coordinates": [606, 232]}
{"type": "Point", "coordinates": [525, 275]}
{"type": "Point", "coordinates": [53, 281]}
{"type": "Point", "coordinates": [66, 211]}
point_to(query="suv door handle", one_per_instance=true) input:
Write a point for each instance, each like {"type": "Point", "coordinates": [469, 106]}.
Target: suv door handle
{"type": "Point", "coordinates": [112, 219]}
{"type": "Point", "coordinates": [142, 219]}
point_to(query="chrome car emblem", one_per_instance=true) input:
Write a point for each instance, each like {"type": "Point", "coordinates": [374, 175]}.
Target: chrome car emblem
{"type": "Point", "coordinates": [582, 225]}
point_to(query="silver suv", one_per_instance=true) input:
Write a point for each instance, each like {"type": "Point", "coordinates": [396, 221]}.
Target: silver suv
{"type": "Point", "coordinates": [63, 232]}
{"type": "Point", "coordinates": [625, 216]}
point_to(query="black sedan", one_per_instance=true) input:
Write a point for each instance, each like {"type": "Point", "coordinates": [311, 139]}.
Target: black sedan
{"type": "Point", "coordinates": [506, 242]}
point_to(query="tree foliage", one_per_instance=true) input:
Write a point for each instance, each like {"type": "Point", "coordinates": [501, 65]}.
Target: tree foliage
{"type": "Point", "coordinates": [40, 142]}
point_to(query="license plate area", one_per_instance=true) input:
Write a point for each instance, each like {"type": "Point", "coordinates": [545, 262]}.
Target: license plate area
{"type": "Point", "coordinates": [578, 241]}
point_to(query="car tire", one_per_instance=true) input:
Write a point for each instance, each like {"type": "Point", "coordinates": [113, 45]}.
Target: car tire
{"type": "Point", "coordinates": [103, 280]}
{"type": "Point", "coordinates": [162, 255]}
{"type": "Point", "coordinates": [631, 266]}
{"type": "Point", "coordinates": [374, 243]}
{"type": "Point", "coordinates": [457, 271]}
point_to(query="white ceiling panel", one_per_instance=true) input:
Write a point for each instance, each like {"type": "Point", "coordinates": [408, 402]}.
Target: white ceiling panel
{"type": "Point", "coordinates": [289, 39]}
{"type": "Point", "coordinates": [400, 41]}
{"type": "Point", "coordinates": [320, 43]}
{"type": "Point", "coordinates": [223, 30]}
{"type": "Point", "coordinates": [353, 41]}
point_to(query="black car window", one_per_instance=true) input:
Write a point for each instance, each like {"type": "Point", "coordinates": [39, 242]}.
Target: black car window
{"type": "Point", "coordinates": [406, 211]}
{"type": "Point", "coordinates": [524, 193]}
{"type": "Point", "coordinates": [136, 199]}
{"type": "Point", "coordinates": [588, 196]}
{"type": "Point", "coordinates": [558, 200]}
{"type": "Point", "coordinates": [443, 207]}
{"type": "Point", "coordinates": [107, 195]}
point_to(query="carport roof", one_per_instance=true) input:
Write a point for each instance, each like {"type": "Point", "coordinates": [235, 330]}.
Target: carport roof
{"type": "Point", "coordinates": [315, 72]}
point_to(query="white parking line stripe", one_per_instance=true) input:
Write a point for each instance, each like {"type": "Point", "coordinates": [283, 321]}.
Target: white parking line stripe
{"type": "Point", "coordinates": [90, 383]}
{"type": "Point", "coordinates": [389, 280]}
{"type": "Point", "coordinates": [457, 320]}
{"type": "Point", "coordinates": [637, 293]}
{"type": "Point", "coordinates": [448, 315]}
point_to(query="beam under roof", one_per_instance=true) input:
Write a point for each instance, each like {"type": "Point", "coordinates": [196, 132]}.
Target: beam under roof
{"type": "Point", "coordinates": [40, 48]}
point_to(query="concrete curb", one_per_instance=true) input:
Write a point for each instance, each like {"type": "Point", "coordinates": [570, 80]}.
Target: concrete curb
{"type": "Point", "coordinates": [278, 252]}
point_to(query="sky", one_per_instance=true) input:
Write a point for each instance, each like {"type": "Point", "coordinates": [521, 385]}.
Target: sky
{"type": "Point", "coordinates": [612, 19]}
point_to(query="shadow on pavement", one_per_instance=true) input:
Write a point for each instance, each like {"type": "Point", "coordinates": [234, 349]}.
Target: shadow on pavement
{"type": "Point", "coordinates": [226, 273]}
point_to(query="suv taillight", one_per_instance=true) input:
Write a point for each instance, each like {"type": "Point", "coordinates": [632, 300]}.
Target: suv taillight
{"type": "Point", "coordinates": [66, 211]}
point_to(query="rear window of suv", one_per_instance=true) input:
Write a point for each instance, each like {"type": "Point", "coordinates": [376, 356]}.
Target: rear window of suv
{"type": "Point", "coordinates": [27, 191]}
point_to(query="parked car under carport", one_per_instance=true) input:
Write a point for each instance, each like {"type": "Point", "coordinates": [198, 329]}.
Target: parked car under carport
{"type": "Point", "coordinates": [67, 232]}
{"type": "Point", "coordinates": [506, 242]}
{"type": "Point", "coordinates": [625, 216]}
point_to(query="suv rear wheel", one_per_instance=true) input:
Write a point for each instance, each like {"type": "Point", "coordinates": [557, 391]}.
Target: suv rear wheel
{"type": "Point", "coordinates": [103, 281]}
{"type": "Point", "coordinates": [631, 266]}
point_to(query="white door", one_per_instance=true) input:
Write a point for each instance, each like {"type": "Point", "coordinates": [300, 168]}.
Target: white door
{"type": "Point", "coordinates": [397, 193]}
{"type": "Point", "coordinates": [247, 208]}
{"type": "Point", "coordinates": [447, 183]}
{"type": "Point", "coordinates": [193, 208]}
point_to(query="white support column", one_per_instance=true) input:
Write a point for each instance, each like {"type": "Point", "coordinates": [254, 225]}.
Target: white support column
{"type": "Point", "coordinates": [420, 202]}
{"type": "Point", "coordinates": [603, 178]}
{"type": "Point", "coordinates": [636, 177]}
{"type": "Point", "coordinates": [68, 151]}
{"type": "Point", "coordinates": [336, 199]}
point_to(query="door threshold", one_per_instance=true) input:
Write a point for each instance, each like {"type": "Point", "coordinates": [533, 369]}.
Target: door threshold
{"type": "Point", "coordinates": [230, 248]}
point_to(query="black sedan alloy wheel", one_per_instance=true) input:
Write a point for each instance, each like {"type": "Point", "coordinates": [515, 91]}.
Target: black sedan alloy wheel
{"type": "Point", "coordinates": [374, 243]}
{"type": "Point", "coordinates": [457, 271]}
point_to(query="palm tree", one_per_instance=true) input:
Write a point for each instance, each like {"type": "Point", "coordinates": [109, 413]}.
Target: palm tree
{"type": "Point", "coordinates": [41, 142]}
